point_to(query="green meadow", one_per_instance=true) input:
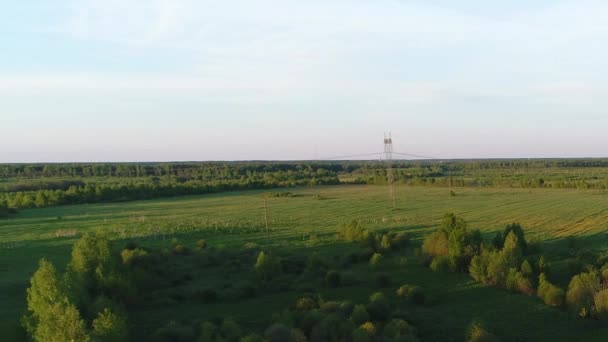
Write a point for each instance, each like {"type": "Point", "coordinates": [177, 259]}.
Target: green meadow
{"type": "Point", "coordinates": [307, 223]}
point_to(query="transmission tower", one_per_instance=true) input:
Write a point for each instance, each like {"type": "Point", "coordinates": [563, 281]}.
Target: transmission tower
{"type": "Point", "coordinates": [388, 152]}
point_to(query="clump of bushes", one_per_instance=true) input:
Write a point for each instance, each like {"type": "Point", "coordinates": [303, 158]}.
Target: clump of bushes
{"type": "Point", "coordinates": [582, 289]}
{"type": "Point", "coordinates": [400, 330]}
{"type": "Point", "coordinates": [130, 256]}
{"type": "Point", "coordinates": [353, 232]}
{"type": "Point", "coordinates": [549, 293]}
{"type": "Point", "coordinates": [359, 315]}
{"type": "Point", "coordinates": [412, 293]}
{"type": "Point", "coordinates": [453, 240]}
{"type": "Point", "coordinates": [201, 244]}
{"type": "Point", "coordinates": [227, 330]}
{"type": "Point", "coordinates": [515, 228]}
{"type": "Point", "coordinates": [267, 266]}
{"type": "Point", "coordinates": [476, 332]}
{"type": "Point", "coordinates": [504, 268]}
{"type": "Point", "coordinates": [181, 250]}
{"type": "Point", "coordinates": [375, 260]}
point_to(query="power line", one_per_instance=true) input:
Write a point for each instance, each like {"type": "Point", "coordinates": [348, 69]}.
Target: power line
{"type": "Point", "coordinates": [416, 155]}
{"type": "Point", "coordinates": [351, 156]}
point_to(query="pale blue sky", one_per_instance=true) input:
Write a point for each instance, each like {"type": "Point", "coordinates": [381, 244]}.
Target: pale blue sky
{"type": "Point", "coordinates": [126, 80]}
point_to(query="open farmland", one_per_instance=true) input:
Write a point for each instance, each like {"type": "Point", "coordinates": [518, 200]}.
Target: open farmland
{"type": "Point", "coordinates": [308, 221]}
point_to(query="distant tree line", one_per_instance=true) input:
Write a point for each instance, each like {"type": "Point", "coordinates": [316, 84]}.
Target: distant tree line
{"type": "Point", "coordinates": [41, 185]}
{"type": "Point", "coordinates": [91, 193]}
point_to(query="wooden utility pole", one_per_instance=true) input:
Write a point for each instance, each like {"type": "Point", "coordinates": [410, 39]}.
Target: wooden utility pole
{"type": "Point", "coordinates": [266, 220]}
{"type": "Point", "coordinates": [450, 181]}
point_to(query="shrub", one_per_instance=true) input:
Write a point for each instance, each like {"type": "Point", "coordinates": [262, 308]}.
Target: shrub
{"type": "Point", "coordinates": [399, 329]}
{"type": "Point", "coordinates": [526, 269]}
{"type": "Point", "coordinates": [516, 281]}
{"type": "Point", "coordinates": [180, 250]}
{"type": "Point", "coordinates": [378, 307]}
{"type": "Point", "coordinates": [252, 338]}
{"type": "Point", "coordinates": [442, 263]}
{"type": "Point", "coordinates": [369, 327]}
{"type": "Point", "coordinates": [361, 335]}
{"type": "Point", "coordinates": [412, 293]}
{"type": "Point", "coordinates": [330, 307]}
{"type": "Point", "coordinates": [581, 292]}
{"type": "Point", "coordinates": [359, 315]}
{"type": "Point", "coordinates": [375, 260]}
{"type": "Point", "coordinates": [278, 333]}
{"type": "Point", "coordinates": [436, 244]}
{"type": "Point", "coordinates": [382, 280]}
{"type": "Point", "coordinates": [543, 265]}
{"type": "Point", "coordinates": [110, 326]}
{"type": "Point", "coordinates": [174, 331]}
{"type": "Point", "coordinates": [201, 244]}
{"type": "Point", "coordinates": [400, 240]}
{"type": "Point", "coordinates": [549, 293]}
{"type": "Point", "coordinates": [477, 333]}
{"type": "Point", "coordinates": [385, 242]}
{"type": "Point", "coordinates": [513, 228]}
{"type": "Point", "coordinates": [331, 328]}
{"type": "Point", "coordinates": [305, 304]}
{"type": "Point", "coordinates": [601, 303]}
{"type": "Point", "coordinates": [333, 278]}
{"type": "Point", "coordinates": [230, 331]}
{"type": "Point", "coordinates": [267, 266]}
{"type": "Point", "coordinates": [353, 232]}
{"type": "Point", "coordinates": [130, 256]}
{"type": "Point", "coordinates": [316, 265]}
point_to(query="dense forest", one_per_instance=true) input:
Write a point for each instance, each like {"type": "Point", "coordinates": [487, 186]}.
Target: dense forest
{"type": "Point", "coordinates": [41, 185]}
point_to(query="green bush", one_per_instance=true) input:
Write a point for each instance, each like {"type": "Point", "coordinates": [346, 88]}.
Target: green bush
{"type": "Point", "coordinates": [400, 330]}
{"type": "Point", "coordinates": [375, 260]}
{"type": "Point", "coordinates": [516, 281]}
{"type": "Point", "coordinates": [477, 333]}
{"type": "Point", "coordinates": [130, 256]}
{"type": "Point", "coordinates": [353, 232]}
{"type": "Point", "coordinates": [305, 304]}
{"type": "Point", "coordinates": [378, 307]}
{"type": "Point", "coordinates": [369, 327]}
{"type": "Point", "coordinates": [581, 293]}
{"type": "Point", "coordinates": [517, 230]}
{"type": "Point", "coordinates": [436, 244]}
{"type": "Point", "coordinates": [400, 240]}
{"type": "Point", "coordinates": [252, 338]}
{"type": "Point", "coordinates": [267, 266]}
{"type": "Point", "coordinates": [359, 315]}
{"type": "Point", "coordinates": [201, 244]}
{"type": "Point", "coordinates": [414, 294]}
{"type": "Point", "coordinates": [230, 331]}
{"type": "Point", "coordinates": [174, 331]}
{"type": "Point", "coordinates": [442, 263]}
{"type": "Point", "coordinates": [549, 293]}
{"type": "Point", "coordinates": [385, 242]}
{"type": "Point", "coordinates": [110, 326]}
{"type": "Point", "coordinates": [361, 335]}
{"type": "Point", "coordinates": [601, 303]}
{"type": "Point", "coordinates": [181, 250]}
{"type": "Point", "coordinates": [279, 333]}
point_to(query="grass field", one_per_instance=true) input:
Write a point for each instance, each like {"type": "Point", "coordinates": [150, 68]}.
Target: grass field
{"type": "Point", "coordinates": [231, 219]}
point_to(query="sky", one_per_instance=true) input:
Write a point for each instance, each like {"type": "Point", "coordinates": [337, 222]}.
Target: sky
{"type": "Point", "coordinates": [169, 80]}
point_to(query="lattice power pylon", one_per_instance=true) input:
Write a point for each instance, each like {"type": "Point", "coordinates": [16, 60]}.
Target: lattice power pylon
{"type": "Point", "coordinates": [388, 152]}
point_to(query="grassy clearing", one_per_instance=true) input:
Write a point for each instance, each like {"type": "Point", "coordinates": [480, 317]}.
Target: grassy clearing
{"type": "Point", "coordinates": [232, 219]}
